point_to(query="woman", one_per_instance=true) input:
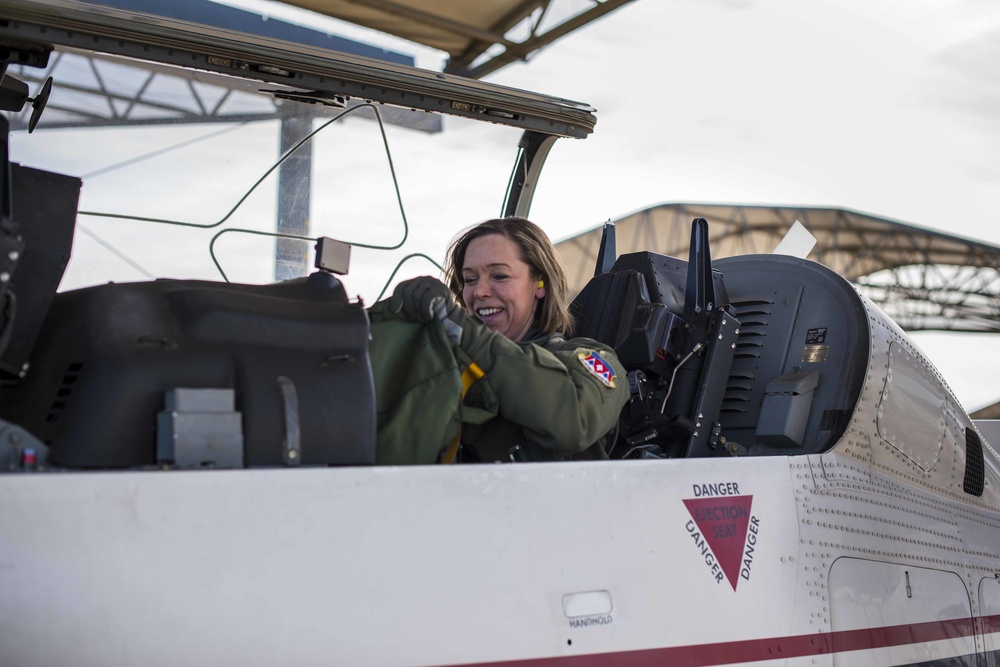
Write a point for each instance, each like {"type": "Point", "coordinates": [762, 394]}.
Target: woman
{"type": "Point", "coordinates": [538, 396]}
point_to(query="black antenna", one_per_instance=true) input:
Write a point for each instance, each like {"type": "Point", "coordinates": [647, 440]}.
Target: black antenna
{"type": "Point", "coordinates": [700, 294]}
{"type": "Point", "coordinates": [607, 254]}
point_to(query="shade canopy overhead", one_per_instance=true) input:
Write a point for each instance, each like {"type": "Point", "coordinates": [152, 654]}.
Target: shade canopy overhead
{"type": "Point", "coordinates": [480, 36]}
{"type": "Point", "coordinates": [924, 280]}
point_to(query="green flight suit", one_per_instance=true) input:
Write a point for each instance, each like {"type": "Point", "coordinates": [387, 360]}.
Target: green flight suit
{"type": "Point", "coordinates": [548, 401]}
{"type": "Point", "coordinates": [418, 388]}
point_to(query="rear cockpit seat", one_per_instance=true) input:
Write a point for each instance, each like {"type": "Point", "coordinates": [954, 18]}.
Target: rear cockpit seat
{"type": "Point", "coordinates": [779, 364]}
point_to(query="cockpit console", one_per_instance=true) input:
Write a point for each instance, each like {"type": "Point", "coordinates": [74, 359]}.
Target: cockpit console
{"type": "Point", "coordinates": [751, 355]}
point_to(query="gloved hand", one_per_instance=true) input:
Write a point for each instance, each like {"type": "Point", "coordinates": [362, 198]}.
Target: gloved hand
{"type": "Point", "coordinates": [426, 299]}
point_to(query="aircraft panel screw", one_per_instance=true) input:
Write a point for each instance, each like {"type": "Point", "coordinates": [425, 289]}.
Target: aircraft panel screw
{"type": "Point", "coordinates": [4, 277]}
{"type": "Point", "coordinates": [13, 255]}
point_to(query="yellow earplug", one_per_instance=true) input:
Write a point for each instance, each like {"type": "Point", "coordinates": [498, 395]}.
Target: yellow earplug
{"type": "Point", "coordinates": [541, 284]}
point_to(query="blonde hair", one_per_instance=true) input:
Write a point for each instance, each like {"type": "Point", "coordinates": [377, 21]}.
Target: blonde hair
{"type": "Point", "coordinates": [534, 249]}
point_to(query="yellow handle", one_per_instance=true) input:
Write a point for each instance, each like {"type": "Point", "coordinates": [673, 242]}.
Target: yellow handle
{"type": "Point", "coordinates": [469, 375]}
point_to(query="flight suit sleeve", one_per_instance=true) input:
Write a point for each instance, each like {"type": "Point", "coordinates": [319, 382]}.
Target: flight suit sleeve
{"type": "Point", "coordinates": [565, 395]}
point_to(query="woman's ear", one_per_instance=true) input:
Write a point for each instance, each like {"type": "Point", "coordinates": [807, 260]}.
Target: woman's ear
{"type": "Point", "coordinates": [540, 290]}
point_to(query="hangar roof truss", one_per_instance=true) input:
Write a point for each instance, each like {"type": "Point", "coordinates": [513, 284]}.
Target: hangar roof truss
{"type": "Point", "coordinates": [924, 280]}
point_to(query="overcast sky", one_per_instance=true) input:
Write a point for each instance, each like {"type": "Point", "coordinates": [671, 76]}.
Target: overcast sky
{"type": "Point", "coordinates": [889, 108]}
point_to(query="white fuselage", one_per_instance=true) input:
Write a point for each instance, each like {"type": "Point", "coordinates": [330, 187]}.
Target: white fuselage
{"type": "Point", "coordinates": [492, 564]}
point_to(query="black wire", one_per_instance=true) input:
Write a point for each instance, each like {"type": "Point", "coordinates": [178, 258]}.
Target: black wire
{"type": "Point", "coordinates": [399, 265]}
{"type": "Point", "coordinates": [256, 232]}
{"type": "Point", "coordinates": [288, 153]}
{"type": "Point", "coordinates": [378, 117]}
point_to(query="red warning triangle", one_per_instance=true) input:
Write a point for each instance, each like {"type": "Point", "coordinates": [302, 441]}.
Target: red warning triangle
{"type": "Point", "coordinates": [723, 521]}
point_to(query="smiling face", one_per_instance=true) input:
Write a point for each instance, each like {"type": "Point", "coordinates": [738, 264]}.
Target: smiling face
{"type": "Point", "coordinates": [499, 287]}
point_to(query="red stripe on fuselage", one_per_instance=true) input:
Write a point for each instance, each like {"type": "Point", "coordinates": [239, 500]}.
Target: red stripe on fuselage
{"type": "Point", "coordinates": [750, 650]}
{"type": "Point", "coordinates": [989, 624]}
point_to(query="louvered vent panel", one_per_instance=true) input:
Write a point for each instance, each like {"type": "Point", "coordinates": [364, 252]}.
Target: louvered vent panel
{"type": "Point", "coordinates": [70, 377]}
{"type": "Point", "coordinates": [975, 475]}
{"type": "Point", "coordinates": [754, 318]}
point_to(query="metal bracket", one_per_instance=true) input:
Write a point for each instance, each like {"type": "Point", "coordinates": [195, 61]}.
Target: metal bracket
{"type": "Point", "coordinates": [199, 428]}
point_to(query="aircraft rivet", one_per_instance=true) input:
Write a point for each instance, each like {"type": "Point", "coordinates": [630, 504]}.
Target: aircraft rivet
{"type": "Point", "coordinates": [13, 255]}
{"type": "Point", "coordinates": [4, 277]}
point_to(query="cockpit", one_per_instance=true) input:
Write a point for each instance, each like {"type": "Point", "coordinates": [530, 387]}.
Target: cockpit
{"type": "Point", "coordinates": [755, 355]}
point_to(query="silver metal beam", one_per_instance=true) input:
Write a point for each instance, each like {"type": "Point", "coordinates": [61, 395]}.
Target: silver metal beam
{"type": "Point", "coordinates": [294, 190]}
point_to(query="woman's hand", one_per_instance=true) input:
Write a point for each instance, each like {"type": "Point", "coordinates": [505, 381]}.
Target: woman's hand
{"type": "Point", "coordinates": [426, 299]}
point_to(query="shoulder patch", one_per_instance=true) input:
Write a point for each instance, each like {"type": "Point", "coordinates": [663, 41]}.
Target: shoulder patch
{"type": "Point", "coordinates": [597, 367]}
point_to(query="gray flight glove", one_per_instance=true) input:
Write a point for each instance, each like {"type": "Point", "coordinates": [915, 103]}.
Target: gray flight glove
{"type": "Point", "coordinates": [426, 299]}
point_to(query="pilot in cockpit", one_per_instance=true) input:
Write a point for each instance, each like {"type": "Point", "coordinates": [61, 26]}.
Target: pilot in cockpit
{"type": "Point", "coordinates": [531, 394]}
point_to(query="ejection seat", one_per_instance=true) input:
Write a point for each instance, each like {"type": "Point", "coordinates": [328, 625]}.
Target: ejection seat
{"type": "Point", "coordinates": [662, 316]}
{"type": "Point", "coordinates": [757, 356]}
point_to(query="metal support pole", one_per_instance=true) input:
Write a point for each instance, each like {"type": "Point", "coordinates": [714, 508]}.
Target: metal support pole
{"type": "Point", "coordinates": [294, 188]}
